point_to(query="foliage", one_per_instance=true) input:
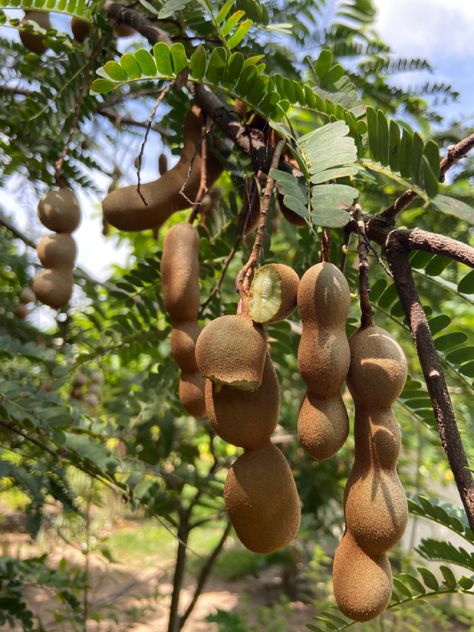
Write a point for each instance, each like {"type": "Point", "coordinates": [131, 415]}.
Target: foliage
{"type": "Point", "coordinates": [351, 132]}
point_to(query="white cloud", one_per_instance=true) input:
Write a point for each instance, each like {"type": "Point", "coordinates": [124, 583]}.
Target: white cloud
{"type": "Point", "coordinates": [428, 28]}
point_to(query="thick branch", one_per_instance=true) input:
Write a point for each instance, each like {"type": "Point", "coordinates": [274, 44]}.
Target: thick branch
{"type": "Point", "coordinates": [135, 19]}
{"type": "Point", "coordinates": [433, 373]}
{"type": "Point", "coordinates": [417, 239]}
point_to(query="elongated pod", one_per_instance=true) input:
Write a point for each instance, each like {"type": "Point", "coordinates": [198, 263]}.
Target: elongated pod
{"type": "Point", "coordinates": [125, 209]}
{"type": "Point", "coordinates": [323, 359]}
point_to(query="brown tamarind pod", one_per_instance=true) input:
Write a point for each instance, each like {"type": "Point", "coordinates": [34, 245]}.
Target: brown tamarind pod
{"type": "Point", "coordinates": [231, 350]}
{"type": "Point", "coordinates": [59, 211]}
{"type": "Point", "coordinates": [54, 287]}
{"type": "Point", "coordinates": [273, 293]}
{"type": "Point", "coordinates": [375, 502]}
{"type": "Point", "coordinates": [245, 418]}
{"type": "Point", "coordinates": [180, 273]}
{"type": "Point", "coordinates": [261, 500]}
{"type": "Point", "coordinates": [162, 164]}
{"type": "Point", "coordinates": [80, 29]}
{"type": "Point", "coordinates": [183, 343]}
{"type": "Point", "coordinates": [375, 505]}
{"type": "Point", "coordinates": [362, 583]}
{"type": "Point", "coordinates": [33, 41]}
{"type": "Point", "coordinates": [26, 296]}
{"type": "Point", "coordinates": [21, 311]}
{"type": "Point", "coordinates": [123, 30]}
{"type": "Point", "coordinates": [323, 359]}
{"type": "Point", "coordinates": [191, 394]}
{"type": "Point", "coordinates": [124, 208]}
{"type": "Point", "coordinates": [57, 251]}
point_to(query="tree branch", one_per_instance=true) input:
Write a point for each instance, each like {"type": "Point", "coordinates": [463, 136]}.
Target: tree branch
{"type": "Point", "coordinates": [418, 239]}
{"type": "Point", "coordinates": [442, 406]}
{"type": "Point", "coordinates": [122, 13]}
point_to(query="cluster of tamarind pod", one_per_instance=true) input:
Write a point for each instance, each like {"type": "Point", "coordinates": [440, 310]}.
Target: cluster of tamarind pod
{"type": "Point", "coordinates": [35, 42]}
{"type": "Point", "coordinates": [88, 389]}
{"type": "Point", "coordinates": [25, 297]}
{"type": "Point", "coordinates": [59, 211]}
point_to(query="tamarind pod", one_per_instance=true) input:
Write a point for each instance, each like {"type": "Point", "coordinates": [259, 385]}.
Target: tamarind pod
{"type": "Point", "coordinates": [324, 296]}
{"type": "Point", "coordinates": [57, 251]}
{"type": "Point", "coordinates": [32, 41]}
{"type": "Point", "coordinates": [59, 210]}
{"type": "Point", "coordinates": [123, 30]}
{"type": "Point", "coordinates": [162, 164]}
{"type": "Point", "coordinates": [180, 273]}
{"type": "Point", "coordinates": [273, 293]}
{"type": "Point", "coordinates": [191, 394]}
{"type": "Point", "coordinates": [261, 500]}
{"type": "Point", "coordinates": [231, 350]}
{"type": "Point", "coordinates": [323, 425]}
{"type": "Point", "coordinates": [54, 287]}
{"type": "Point", "coordinates": [124, 207]}
{"type": "Point", "coordinates": [245, 418]}
{"type": "Point", "coordinates": [80, 29]}
{"type": "Point", "coordinates": [21, 311]}
{"type": "Point", "coordinates": [26, 296]}
{"type": "Point", "coordinates": [362, 583]}
{"type": "Point", "coordinates": [183, 342]}
{"type": "Point", "coordinates": [323, 360]}
{"type": "Point", "coordinates": [288, 214]}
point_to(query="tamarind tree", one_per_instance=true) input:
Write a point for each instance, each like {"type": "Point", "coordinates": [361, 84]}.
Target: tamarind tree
{"type": "Point", "coordinates": [316, 155]}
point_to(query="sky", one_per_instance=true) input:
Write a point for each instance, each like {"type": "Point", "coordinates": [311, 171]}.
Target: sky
{"type": "Point", "coordinates": [440, 30]}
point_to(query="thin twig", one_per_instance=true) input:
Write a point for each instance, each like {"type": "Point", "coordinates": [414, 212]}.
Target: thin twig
{"type": "Point", "coordinates": [364, 286]}
{"type": "Point", "coordinates": [244, 277]}
{"type": "Point", "coordinates": [159, 100]}
{"type": "Point", "coordinates": [325, 244]}
{"type": "Point", "coordinates": [203, 175]}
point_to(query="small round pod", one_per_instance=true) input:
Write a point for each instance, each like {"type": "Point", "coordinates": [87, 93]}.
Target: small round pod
{"type": "Point", "coordinates": [59, 211]}
{"type": "Point", "coordinates": [273, 293]}
{"type": "Point", "coordinates": [378, 369]}
{"type": "Point", "coordinates": [183, 343]}
{"type": "Point", "coordinates": [362, 583]}
{"type": "Point", "coordinates": [26, 296]}
{"type": "Point", "coordinates": [54, 287]}
{"type": "Point", "coordinates": [323, 426]}
{"type": "Point", "coordinates": [80, 29]}
{"type": "Point", "coordinates": [32, 41]}
{"type": "Point", "coordinates": [324, 296]}
{"type": "Point", "coordinates": [180, 272]}
{"type": "Point", "coordinates": [191, 394]}
{"type": "Point", "coordinates": [21, 311]}
{"type": "Point", "coordinates": [261, 500]}
{"type": "Point", "coordinates": [231, 350]}
{"type": "Point", "coordinates": [57, 251]}
{"type": "Point", "coordinates": [245, 418]}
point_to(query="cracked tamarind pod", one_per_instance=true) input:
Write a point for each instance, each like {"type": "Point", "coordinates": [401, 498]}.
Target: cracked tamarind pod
{"type": "Point", "coordinates": [273, 293]}
{"type": "Point", "coordinates": [261, 499]}
{"type": "Point", "coordinates": [80, 29]}
{"type": "Point", "coordinates": [180, 283]}
{"type": "Point", "coordinates": [124, 207]}
{"type": "Point", "coordinates": [323, 359]}
{"type": "Point", "coordinates": [231, 350]}
{"type": "Point", "coordinates": [33, 41]}
{"type": "Point", "coordinates": [375, 505]}
{"type": "Point", "coordinates": [245, 418]}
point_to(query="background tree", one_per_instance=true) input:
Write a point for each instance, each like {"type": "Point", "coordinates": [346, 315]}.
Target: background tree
{"type": "Point", "coordinates": [382, 154]}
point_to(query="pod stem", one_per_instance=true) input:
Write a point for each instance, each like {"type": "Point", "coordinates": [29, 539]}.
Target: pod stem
{"type": "Point", "coordinates": [244, 278]}
{"type": "Point", "coordinates": [149, 123]}
{"type": "Point", "coordinates": [203, 176]}
{"type": "Point", "coordinates": [364, 286]}
{"type": "Point", "coordinates": [325, 244]}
